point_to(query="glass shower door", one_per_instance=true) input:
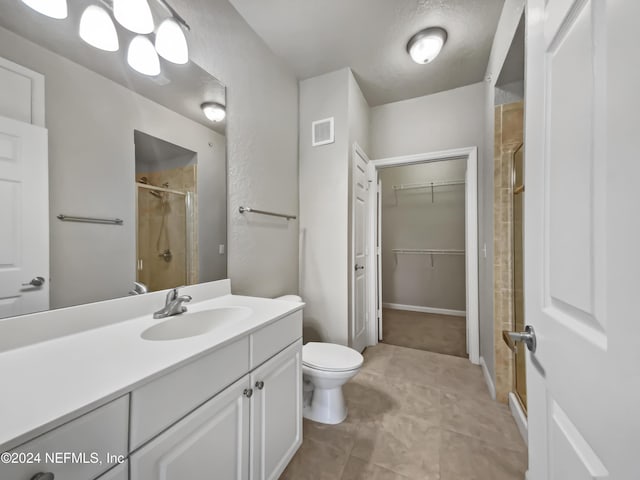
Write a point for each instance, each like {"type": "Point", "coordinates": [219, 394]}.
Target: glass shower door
{"type": "Point", "coordinates": [518, 274]}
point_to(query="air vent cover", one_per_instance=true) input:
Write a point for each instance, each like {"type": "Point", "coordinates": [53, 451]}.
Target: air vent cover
{"type": "Point", "coordinates": [322, 132]}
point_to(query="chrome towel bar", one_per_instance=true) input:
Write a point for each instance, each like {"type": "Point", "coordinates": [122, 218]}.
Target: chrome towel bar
{"type": "Point", "coordinates": [262, 212]}
{"type": "Point", "coordinates": [104, 221]}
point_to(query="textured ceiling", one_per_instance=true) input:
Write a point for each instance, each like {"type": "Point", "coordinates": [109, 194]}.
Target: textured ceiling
{"type": "Point", "coordinates": [370, 36]}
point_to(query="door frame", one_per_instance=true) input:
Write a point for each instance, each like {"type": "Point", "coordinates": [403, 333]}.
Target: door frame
{"type": "Point", "coordinates": [470, 154]}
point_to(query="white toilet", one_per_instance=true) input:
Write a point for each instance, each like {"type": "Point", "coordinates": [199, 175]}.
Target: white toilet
{"type": "Point", "coordinates": [326, 367]}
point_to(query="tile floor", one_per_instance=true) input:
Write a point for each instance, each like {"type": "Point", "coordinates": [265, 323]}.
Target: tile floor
{"type": "Point", "coordinates": [414, 415]}
{"type": "Point", "coordinates": [425, 331]}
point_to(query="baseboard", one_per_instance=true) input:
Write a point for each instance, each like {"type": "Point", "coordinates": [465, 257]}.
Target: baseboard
{"type": "Point", "coordinates": [519, 417]}
{"type": "Point", "coordinates": [416, 308]}
{"type": "Point", "coordinates": [487, 378]}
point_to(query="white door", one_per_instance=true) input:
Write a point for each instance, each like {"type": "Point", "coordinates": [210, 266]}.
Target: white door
{"type": "Point", "coordinates": [359, 254]}
{"type": "Point", "coordinates": [582, 238]}
{"type": "Point", "coordinates": [211, 442]}
{"type": "Point", "coordinates": [24, 216]}
{"type": "Point", "coordinates": [379, 259]}
{"type": "Point", "coordinates": [276, 413]}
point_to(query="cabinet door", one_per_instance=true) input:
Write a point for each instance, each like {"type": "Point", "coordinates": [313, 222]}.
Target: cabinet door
{"type": "Point", "coordinates": [118, 473]}
{"type": "Point", "coordinates": [210, 442]}
{"type": "Point", "coordinates": [276, 413]}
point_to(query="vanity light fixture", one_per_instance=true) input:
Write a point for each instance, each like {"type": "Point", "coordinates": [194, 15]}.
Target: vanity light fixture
{"type": "Point", "coordinates": [171, 44]}
{"type": "Point", "coordinates": [425, 45]}
{"type": "Point", "coordinates": [50, 8]}
{"type": "Point", "coordinates": [142, 56]}
{"type": "Point", "coordinates": [134, 15]}
{"type": "Point", "coordinates": [98, 30]}
{"type": "Point", "coordinates": [214, 111]}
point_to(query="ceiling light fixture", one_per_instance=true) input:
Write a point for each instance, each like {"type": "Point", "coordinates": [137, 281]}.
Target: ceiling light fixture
{"type": "Point", "coordinates": [214, 111]}
{"type": "Point", "coordinates": [98, 30]}
{"type": "Point", "coordinates": [50, 8]}
{"type": "Point", "coordinates": [142, 57]}
{"type": "Point", "coordinates": [425, 45]}
{"type": "Point", "coordinates": [171, 43]}
{"type": "Point", "coordinates": [134, 15]}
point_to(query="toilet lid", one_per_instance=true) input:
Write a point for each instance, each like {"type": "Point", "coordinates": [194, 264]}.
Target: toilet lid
{"type": "Point", "coordinates": [330, 357]}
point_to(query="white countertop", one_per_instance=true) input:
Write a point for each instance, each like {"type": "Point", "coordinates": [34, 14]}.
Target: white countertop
{"type": "Point", "coordinates": [48, 383]}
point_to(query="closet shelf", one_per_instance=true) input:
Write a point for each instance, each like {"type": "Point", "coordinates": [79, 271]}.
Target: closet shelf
{"type": "Point", "coordinates": [427, 251]}
{"type": "Point", "coordinates": [413, 186]}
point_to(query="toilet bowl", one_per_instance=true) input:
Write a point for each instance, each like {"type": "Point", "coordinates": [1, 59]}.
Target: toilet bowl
{"type": "Point", "coordinates": [326, 367]}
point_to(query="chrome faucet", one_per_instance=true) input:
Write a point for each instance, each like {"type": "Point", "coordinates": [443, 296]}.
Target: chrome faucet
{"type": "Point", "coordinates": [173, 304]}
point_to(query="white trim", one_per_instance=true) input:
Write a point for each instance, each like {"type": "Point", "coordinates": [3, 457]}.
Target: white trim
{"type": "Point", "coordinates": [519, 416]}
{"type": "Point", "coordinates": [471, 234]}
{"type": "Point", "coordinates": [488, 379]}
{"type": "Point", "coordinates": [418, 308]}
{"type": "Point", "coordinates": [37, 90]}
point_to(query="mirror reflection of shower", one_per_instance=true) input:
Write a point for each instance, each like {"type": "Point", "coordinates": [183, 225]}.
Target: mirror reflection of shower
{"type": "Point", "coordinates": [166, 183]}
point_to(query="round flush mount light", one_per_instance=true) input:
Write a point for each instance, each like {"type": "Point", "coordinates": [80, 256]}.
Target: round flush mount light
{"type": "Point", "coordinates": [214, 111]}
{"type": "Point", "coordinates": [98, 30]}
{"type": "Point", "coordinates": [425, 45]}
{"type": "Point", "coordinates": [50, 8]}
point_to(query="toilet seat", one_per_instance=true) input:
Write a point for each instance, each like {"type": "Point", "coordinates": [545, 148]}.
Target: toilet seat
{"type": "Point", "coordinates": [330, 357]}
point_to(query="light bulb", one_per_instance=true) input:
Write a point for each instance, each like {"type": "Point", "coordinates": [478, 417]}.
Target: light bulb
{"type": "Point", "coordinates": [142, 57]}
{"type": "Point", "coordinates": [98, 30]}
{"type": "Point", "coordinates": [50, 8]}
{"type": "Point", "coordinates": [134, 15]}
{"type": "Point", "coordinates": [214, 111]}
{"type": "Point", "coordinates": [171, 43]}
{"type": "Point", "coordinates": [425, 45]}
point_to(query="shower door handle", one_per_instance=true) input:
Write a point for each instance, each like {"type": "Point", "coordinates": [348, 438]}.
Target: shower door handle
{"type": "Point", "coordinates": [528, 337]}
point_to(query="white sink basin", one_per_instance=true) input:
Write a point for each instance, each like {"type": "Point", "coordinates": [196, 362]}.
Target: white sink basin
{"type": "Point", "coordinates": [193, 324]}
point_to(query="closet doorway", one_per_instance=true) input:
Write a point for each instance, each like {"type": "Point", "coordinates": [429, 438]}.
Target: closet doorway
{"type": "Point", "coordinates": [424, 277]}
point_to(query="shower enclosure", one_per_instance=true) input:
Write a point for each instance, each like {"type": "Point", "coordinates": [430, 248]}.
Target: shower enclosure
{"type": "Point", "coordinates": [518, 275]}
{"type": "Point", "coordinates": [165, 236]}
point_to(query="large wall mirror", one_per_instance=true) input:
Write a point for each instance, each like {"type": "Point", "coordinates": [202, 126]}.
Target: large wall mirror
{"type": "Point", "coordinates": [112, 182]}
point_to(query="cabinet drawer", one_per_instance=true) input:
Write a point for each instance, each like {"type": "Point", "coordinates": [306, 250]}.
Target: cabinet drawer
{"type": "Point", "coordinates": [164, 401]}
{"type": "Point", "coordinates": [96, 437]}
{"type": "Point", "coordinates": [268, 341]}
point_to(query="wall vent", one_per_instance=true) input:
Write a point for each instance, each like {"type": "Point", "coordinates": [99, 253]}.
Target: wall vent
{"type": "Point", "coordinates": [322, 132]}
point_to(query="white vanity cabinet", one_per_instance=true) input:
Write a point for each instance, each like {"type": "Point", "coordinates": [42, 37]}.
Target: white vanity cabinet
{"type": "Point", "coordinates": [276, 413]}
{"type": "Point", "coordinates": [121, 472]}
{"type": "Point", "coordinates": [211, 442]}
{"type": "Point", "coordinates": [248, 431]}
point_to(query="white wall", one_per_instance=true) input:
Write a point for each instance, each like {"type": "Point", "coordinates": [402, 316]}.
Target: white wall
{"type": "Point", "coordinates": [91, 122]}
{"type": "Point", "coordinates": [410, 219]}
{"type": "Point", "coordinates": [324, 201]}
{"type": "Point", "coordinates": [507, 26]}
{"type": "Point", "coordinates": [445, 120]}
{"type": "Point", "coordinates": [262, 151]}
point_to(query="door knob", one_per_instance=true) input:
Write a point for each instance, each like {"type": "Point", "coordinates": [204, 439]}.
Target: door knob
{"type": "Point", "coordinates": [359, 267]}
{"type": "Point", "coordinates": [528, 337]}
{"type": "Point", "coordinates": [248, 392]}
{"type": "Point", "coordinates": [35, 282]}
{"type": "Point", "coordinates": [260, 385]}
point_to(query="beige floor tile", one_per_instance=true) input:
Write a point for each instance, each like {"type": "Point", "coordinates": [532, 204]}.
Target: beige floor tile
{"type": "Point", "coordinates": [403, 444]}
{"type": "Point", "coordinates": [357, 469]}
{"type": "Point", "coordinates": [466, 458]}
{"type": "Point", "coordinates": [316, 461]}
{"type": "Point", "coordinates": [485, 420]}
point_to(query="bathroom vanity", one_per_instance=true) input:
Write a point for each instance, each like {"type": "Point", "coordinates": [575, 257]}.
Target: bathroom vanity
{"type": "Point", "coordinates": [109, 403]}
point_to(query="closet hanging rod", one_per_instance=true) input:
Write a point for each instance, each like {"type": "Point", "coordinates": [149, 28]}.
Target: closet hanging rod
{"type": "Point", "coordinates": [412, 186]}
{"type": "Point", "coordinates": [427, 251]}
{"type": "Point", "coordinates": [104, 221]}
{"type": "Point", "coordinates": [263, 212]}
